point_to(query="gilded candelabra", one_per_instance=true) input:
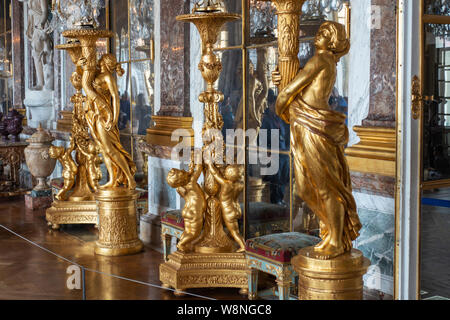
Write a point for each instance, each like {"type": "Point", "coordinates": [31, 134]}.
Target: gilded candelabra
{"type": "Point", "coordinates": [75, 203]}
{"type": "Point", "coordinates": [95, 132]}
{"type": "Point", "coordinates": [206, 255]}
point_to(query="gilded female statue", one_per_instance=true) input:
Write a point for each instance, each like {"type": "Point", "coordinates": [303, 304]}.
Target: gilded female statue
{"type": "Point", "coordinates": [318, 137]}
{"type": "Point", "coordinates": [102, 117]}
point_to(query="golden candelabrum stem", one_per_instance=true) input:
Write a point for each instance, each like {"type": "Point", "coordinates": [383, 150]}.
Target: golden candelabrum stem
{"type": "Point", "coordinates": [213, 238]}
{"type": "Point", "coordinates": [288, 12]}
{"type": "Point", "coordinates": [82, 182]}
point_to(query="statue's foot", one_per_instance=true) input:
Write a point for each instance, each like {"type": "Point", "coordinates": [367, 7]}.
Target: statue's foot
{"type": "Point", "coordinates": [328, 251]}
{"type": "Point", "coordinates": [108, 185]}
{"type": "Point", "coordinates": [240, 250]}
{"type": "Point", "coordinates": [322, 244]}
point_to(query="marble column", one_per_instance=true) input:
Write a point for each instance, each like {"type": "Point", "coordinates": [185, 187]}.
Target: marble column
{"type": "Point", "coordinates": [382, 65]}
{"type": "Point", "coordinates": [175, 44]}
{"type": "Point", "coordinates": [172, 66]}
{"type": "Point", "coordinates": [18, 54]}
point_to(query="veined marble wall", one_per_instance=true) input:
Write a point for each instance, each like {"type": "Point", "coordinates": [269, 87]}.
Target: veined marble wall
{"type": "Point", "coordinates": [157, 65]}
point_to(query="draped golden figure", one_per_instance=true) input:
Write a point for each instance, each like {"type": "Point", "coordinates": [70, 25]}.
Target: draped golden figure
{"type": "Point", "coordinates": [318, 137]}
{"type": "Point", "coordinates": [102, 118]}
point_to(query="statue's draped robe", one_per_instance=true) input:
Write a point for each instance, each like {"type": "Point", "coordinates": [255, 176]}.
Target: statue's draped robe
{"type": "Point", "coordinates": [318, 137]}
{"type": "Point", "coordinates": [113, 135]}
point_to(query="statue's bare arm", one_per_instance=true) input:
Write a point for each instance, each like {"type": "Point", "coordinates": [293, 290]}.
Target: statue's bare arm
{"type": "Point", "coordinates": [112, 87]}
{"type": "Point", "coordinates": [303, 78]}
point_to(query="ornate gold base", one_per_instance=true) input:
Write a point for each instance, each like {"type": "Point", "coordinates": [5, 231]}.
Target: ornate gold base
{"type": "Point", "coordinates": [65, 124]}
{"type": "Point", "coordinates": [335, 279]}
{"type": "Point", "coordinates": [202, 270]}
{"type": "Point", "coordinates": [71, 212]}
{"type": "Point", "coordinates": [375, 153]}
{"type": "Point", "coordinates": [117, 222]}
{"type": "Point", "coordinates": [161, 132]}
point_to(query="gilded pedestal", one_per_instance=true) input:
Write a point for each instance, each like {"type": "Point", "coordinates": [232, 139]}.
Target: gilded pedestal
{"type": "Point", "coordinates": [117, 222]}
{"type": "Point", "coordinates": [200, 270]}
{"type": "Point", "coordinates": [71, 212]}
{"type": "Point", "coordinates": [161, 132]}
{"type": "Point", "coordinates": [340, 278]}
{"type": "Point", "coordinates": [75, 202]}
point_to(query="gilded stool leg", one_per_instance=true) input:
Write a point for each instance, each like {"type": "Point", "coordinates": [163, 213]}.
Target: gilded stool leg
{"type": "Point", "coordinates": [284, 284]}
{"type": "Point", "coordinates": [166, 241]}
{"type": "Point", "coordinates": [252, 284]}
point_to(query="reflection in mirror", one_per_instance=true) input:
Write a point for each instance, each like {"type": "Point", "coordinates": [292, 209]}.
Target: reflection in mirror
{"type": "Point", "coordinates": [437, 7]}
{"type": "Point", "coordinates": [123, 85]}
{"type": "Point", "coordinates": [142, 83]}
{"type": "Point", "coordinates": [230, 84]}
{"type": "Point", "coordinates": [268, 201]}
{"type": "Point", "coordinates": [141, 14]}
{"type": "Point", "coordinates": [263, 20]}
{"type": "Point", "coordinates": [119, 25]}
{"type": "Point", "coordinates": [231, 33]}
{"type": "Point", "coordinates": [435, 244]}
{"type": "Point", "coordinates": [436, 111]}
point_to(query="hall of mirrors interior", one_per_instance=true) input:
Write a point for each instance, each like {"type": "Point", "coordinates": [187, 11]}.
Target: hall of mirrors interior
{"type": "Point", "coordinates": [159, 95]}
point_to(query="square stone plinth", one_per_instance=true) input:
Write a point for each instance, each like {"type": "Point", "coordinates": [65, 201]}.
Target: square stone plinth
{"type": "Point", "coordinates": [35, 203]}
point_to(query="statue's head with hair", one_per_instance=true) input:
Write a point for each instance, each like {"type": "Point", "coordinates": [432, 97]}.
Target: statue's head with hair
{"type": "Point", "coordinates": [177, 178]}
{"type": "Point", "coordinates": [333, 37]}
{"type": "Point", "coordinates": [110, 62]}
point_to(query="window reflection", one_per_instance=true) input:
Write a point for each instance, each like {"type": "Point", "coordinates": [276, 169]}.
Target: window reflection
{"type": "Point", "coordinates": [436, 117]}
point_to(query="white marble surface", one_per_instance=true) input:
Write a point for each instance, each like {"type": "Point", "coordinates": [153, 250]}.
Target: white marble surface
{"type": "Point", "coordinates": [359, 71]}
{"type": "Point", "coordinates": [161, 197]}
{"type": "Point", "coordinates": [374, 202]}
{"type": "Point", "coordinates": [373, 279]}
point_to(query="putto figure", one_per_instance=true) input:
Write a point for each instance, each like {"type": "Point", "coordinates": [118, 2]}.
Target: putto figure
{"type": "Point", "coordinates": [318, 138]}
{"type": "Point", "coordinates": [231, 187]}
{"type": "Point", "coordinates": [93, 161]}
{"type": "Point", "coordinates": [70, 168]}
{"type": "Point", "coordinates": [195, 203]}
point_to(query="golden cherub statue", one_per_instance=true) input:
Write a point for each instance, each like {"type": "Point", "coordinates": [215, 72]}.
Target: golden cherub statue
{"type": "Point", "coordinates": [92, 161]}
{"type": "Point", "coordinates": [231, 186]}
{"type": "Point", "coordinates": [70, 168]}
{"type": "Point", "coordinates": [319, 136]}
{"type": "Point", "coordinates": [194, 208]}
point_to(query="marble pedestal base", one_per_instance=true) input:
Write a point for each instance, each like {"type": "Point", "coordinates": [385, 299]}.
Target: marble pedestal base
{"type": "Point", "coordinates": [41, 199]}
{"type": "Point", "coordinates": [204, 270]}
{"type": "Point", "coordinates": [71, 212]}
{"type": "Point", "coordinates": [340, 278]}
{"type": "Point", "coordinates": [118, 234]}
{"type": "Point", "coordinates": [39, 105]}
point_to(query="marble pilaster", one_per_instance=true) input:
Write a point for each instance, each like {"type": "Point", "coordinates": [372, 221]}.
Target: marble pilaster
{"type": "Point", "coordinates": [174, 59]}
{"type": "Point", "coordinates": [382, 65]}
{"type": "Point", "coordinates": [18, 54]}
